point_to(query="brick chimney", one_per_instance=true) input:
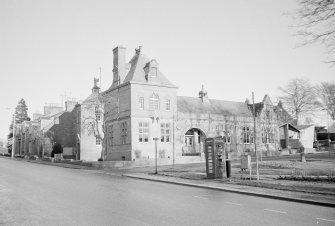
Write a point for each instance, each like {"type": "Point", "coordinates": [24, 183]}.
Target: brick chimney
{"type": "Point", "coordinates": [69, 105]}
{"type": "Point", "coordinates": [119, 68]}
{"type": "Point", "coordinates": [51, 109]}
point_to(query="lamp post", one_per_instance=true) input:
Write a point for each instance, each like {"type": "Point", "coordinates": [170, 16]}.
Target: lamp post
{"type": "Point", "coordinates": [255, 137]}
{"type": "Point", "coordinates": [155, 139]}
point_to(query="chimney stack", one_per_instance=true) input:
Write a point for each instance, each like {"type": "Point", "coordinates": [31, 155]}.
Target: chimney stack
{"type": "Point", "coordinates": [119, 62]}
{"type": "Point", "coordinates": [69, 105]}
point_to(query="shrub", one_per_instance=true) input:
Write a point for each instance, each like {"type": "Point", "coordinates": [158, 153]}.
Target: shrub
{"type": "Point", "coordinates": [56, 149]}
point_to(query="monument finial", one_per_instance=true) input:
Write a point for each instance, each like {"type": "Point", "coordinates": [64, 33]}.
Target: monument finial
{"type": "Point", "coordinates": [138, 50]}
{"type": "Point", "coordinates": [96, 80]}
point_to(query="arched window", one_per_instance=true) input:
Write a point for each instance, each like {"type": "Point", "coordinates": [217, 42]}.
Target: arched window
{"type": "Point", "coordinates": [154, 102]}
{"type": "Point", "coordinates": [247, 136]}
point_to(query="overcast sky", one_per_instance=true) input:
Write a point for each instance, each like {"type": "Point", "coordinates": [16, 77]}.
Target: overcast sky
{"type": "Point", "coordinates": [49, 48]}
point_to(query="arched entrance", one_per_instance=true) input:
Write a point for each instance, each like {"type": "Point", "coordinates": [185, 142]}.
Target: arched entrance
{"type": "Point", "coordinates": [194, 140]}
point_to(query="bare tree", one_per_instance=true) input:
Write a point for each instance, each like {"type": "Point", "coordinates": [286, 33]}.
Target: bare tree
{"type": "Point", "coordinates": [92, 121]}
{"type": "Point", "coordinates": [326, 94]}
{"type": "Point", "coordinates": [316, 24]}
{"type": "Point", "coordinates": [309, 121]}
{"type": "Point", "coordinates": [92, 117]}
{"type": "Point", "coordinates": [298, 97]}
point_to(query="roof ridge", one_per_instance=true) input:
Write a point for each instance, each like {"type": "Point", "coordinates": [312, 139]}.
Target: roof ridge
{"type": "Point", "coordinates": [217, 99]}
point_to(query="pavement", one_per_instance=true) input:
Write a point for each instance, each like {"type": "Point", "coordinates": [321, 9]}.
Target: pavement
{"type": "Point", "coordinates": [322, 194]}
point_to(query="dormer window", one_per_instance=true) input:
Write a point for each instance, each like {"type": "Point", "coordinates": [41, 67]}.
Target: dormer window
{"type": "Point", "coordinates": [153, 72]}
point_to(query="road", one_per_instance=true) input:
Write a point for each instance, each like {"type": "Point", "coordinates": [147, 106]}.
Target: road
{"type": "Point", "coordinates": [34, 194]}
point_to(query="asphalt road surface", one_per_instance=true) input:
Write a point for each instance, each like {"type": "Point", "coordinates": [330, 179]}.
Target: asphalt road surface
{"type": "Point", "coordinates": [34, 194]}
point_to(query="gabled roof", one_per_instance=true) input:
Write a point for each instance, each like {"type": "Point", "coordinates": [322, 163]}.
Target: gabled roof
{"type": "Point", "coordinates": [53, 119]}
{"type": "Point", "coordinates": [195, 105]}
{"type": "Point", "coordinates": [91, 98]}
{"type": "Point", "coordinates": [57, 114]}
{"type": "Point", "coordinates": [302, 127]}
{"type": "Point", "coordinates": [258, 107]}
{"type": "Point", "coordinates": [137, 74]}
{"type": "Point", "coordinates": [291, 127]}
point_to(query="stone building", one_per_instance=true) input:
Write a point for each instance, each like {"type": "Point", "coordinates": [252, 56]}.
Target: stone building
{"type": "Point", "coordinates": [89, 132]}
{"type": "Point", "coordinates": [62, 130]}
{"type": "Point", "coordinates": [142, 104]}
{"type": "Point", "coordinates": [54, 125]}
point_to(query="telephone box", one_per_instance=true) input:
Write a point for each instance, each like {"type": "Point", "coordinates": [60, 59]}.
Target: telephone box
{"type": "Point", "coordinates": [214, 152]}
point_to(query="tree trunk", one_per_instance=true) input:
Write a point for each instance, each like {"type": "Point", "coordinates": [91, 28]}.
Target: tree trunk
{"type": "Point", "coordinates": [297, 117]}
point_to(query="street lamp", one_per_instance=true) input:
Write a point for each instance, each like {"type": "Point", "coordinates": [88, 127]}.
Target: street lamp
{"type": "Point", "coordinates": [155, 139]}
{"type": "Point", "coordinates": [255, 137]}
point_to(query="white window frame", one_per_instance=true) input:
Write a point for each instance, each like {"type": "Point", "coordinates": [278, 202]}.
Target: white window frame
{"type": "Point", "coordinates": [97, 112]}
{"type": "Point", "coordinates": [247, 135]}
{"type": "Point", "coordinates": [153, 72]}
{"type": "Point", "coordinates": [167, 104]}
{"type": "Point", "coordinates": [141, 103]}
{"type": "Point", "coordinates": [165, 132]}
{"type": "Point", "coordinates": [154, 102]}
{"type": "Point", "coordinates": [143, 132]}
{"type": "Point", "coordinates": [97, 141]}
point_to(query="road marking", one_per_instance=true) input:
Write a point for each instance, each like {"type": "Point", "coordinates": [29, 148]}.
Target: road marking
{"type": "Point", "coordinates": [199, 197]}
{"type": "Point", "coordinates": [232, 203]}
{"type": "Point", "coordinates": [276, 211]}
{"type": "Point", "coordinates": [323, 219]}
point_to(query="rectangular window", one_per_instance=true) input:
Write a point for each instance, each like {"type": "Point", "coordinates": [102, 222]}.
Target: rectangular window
{"type": "Point", "coordinates": [251, 137]}
{"type": "Point", "coordinates": [167, 105]}
{"type": "Point", "coordinates": [247, 135]}
{"type": "Point", "coordinates": [165, 132]}
{"type": "Point", "coordinates": [143, 132]}
{"type": "Point", "coordinates": [141, 102]}
{"type": "Point", "coordinates": [97, 141]}
{"type": "Point", "coordinates": [124, 126]}
{"type": "Point", "coordinates": [153, 73]}
{"type": "Point", "coordinates": [97, 113]}
{"type": "Point", "coordinates": [110, 135]}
